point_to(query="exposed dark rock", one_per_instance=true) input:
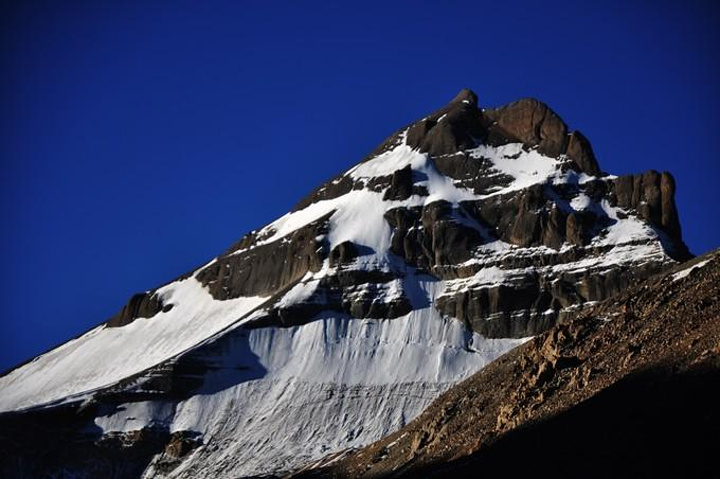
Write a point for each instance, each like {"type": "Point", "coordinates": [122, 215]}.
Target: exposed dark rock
{"type": "Point", "coordinates": [408, 241]}
{"type": "Point", "coordinates": [267, 268]}
{"type": "Point", "coordinates": [530, 122]}
{"type": "Point", "coordinates": [343, 253]}
{"type": "Point", "coordinates": [595, 189]}
{"type": "Point", "coordinates": [531, 303]}
{"type": "Point", "coordinates": [420, 190]}
{"type": "Point", "coordinates": [450, 241]}
{"type": "Point", "coordinates": [329, 190]}
{"type": "Point", "coordinates": [515, 218]}
{"type": "Point", "coordinates": [401, 185]}
{"type": "Point", "coordinates": [536, 216]}
{"type": "Point", "coordinates": [652, 196]}
{"type": "Point", "coordinates": [466, 96]}
{"type": "Point", "coordinates": [503, 311]}
{"type": "Point", "coordinates": [64, 442]}
{"type": "Point", "coordinates": [474, 173]}
{"type": "Point", "coordinates": [553, 228]}
{"type": "Point", "coordinates": [141, 305]}
{"type": "Point", "coordinates": [456, 127]}
{"type": "Point", "coordinates": [357, 293]}
{"type": "Point", "coordinates": [669, 217]}
{"type": "Point", "coordinates": [431, 235]}
{"type": "Point", "coordinates": [575, 230]}
{"type": "Point", "coordinates": [367, 306]}
{"type": "Point", "coordinates": [580, 151]}
{"type": "Point", "coordinates": [378, 184]}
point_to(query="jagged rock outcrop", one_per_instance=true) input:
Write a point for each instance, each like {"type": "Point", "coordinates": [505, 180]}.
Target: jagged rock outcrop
{"type": "Point", "coordinates": [431, 235]}
{"type": "Point", "coordinates": [454, 128]}
{"type": "Point", "coordinates": [580, 151]}
{"type": "Point", "coordinates": [401, 185]}
{"type": "Point", "coordinates": [267, 268]}
{"type": "Point", "coordinates": [534, 124]}
{"type": "Point", "coordinates": [141, 305]}
{"type": "Point", "coordinates": [652, 196]}
{"type": "Point", "coordinates": [530, 122]}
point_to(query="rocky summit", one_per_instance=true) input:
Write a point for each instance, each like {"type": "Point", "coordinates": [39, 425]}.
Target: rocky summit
{"type": "Point", "coordinates": [462, 236]}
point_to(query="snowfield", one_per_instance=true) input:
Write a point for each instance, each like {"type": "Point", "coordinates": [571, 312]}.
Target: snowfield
{"type": "Point", "coordinates": [103, 356]}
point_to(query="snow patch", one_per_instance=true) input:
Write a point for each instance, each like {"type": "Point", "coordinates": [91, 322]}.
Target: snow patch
{"type": "Point", "coordinates": [685, 272]}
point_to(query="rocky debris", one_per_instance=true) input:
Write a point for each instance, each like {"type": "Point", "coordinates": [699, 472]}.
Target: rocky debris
{"type": "Point", "coordinates": [623, 388]}
{"type": "Point", "coordinates": [180, 445]}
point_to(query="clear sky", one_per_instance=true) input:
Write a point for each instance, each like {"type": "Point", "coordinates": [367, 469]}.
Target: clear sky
{"type": "Point", "coordinates": [138, 140]}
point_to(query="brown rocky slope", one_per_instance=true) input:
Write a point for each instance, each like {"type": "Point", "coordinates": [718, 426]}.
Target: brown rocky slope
{"type": "Point", "coordinates": [627, 389]}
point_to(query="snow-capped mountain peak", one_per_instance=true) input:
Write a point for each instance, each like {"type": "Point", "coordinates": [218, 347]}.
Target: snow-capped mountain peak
{"type": "Point", "coordinates": [462, 235]}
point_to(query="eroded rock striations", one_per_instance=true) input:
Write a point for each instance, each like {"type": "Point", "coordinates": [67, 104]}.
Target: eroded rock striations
{"type": "Point", "coordinates": [625, 389]}
{"type": "Point", "coordinates": [459, 237]}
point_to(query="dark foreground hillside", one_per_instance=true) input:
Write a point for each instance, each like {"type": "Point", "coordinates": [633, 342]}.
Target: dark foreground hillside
{"type": "Point", "coordinates": [629, 389]}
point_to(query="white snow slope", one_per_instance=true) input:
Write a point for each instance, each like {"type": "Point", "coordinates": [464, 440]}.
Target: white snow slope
{"type": "Point", "coordinates": [334, 383]}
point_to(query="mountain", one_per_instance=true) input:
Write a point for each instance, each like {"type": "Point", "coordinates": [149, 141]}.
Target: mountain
{"type": "Point", "coordinates": [626, 389]}
{"type": "Point", "coordinates": [461, 236]}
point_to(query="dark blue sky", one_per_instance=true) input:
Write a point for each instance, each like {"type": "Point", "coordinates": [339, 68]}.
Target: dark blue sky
{"type": "Point", "coordinates": [139, 141]}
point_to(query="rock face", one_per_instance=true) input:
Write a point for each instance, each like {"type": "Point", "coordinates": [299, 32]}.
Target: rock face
{"type": "Point", "coordinates": [579, 149]}
{"type": "Point", "coordinates": [623, 389]}
{"type": "Point", "coordinates": [530, 122]}
{"type": "Point", "coordinates": [458, 238]}
{"type": "Point", "coordinates": [652, 196]}
{"type": "Point", "coordinates": [454, 128]}
{"type": "Point", "coordinates": [141, 305]}
{"type": "Point", "coordinates": [267, 268]}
